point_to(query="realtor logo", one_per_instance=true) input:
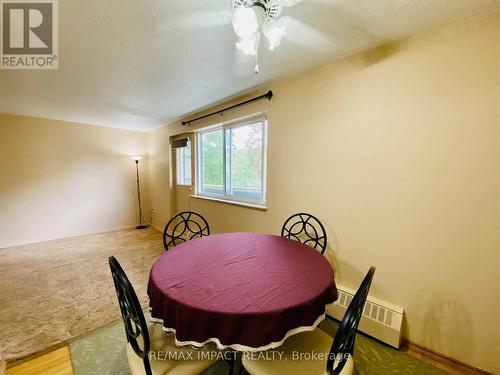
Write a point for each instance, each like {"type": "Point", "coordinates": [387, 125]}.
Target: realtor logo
{"type": "Point", "coordinates": [29, 34]}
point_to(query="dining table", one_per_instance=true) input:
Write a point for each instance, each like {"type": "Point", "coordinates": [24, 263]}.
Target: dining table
{"type": "Point", "coordinates": [246, 292]}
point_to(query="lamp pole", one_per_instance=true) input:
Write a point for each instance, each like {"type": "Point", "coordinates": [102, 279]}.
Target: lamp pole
{"type": "Point", "coordinates": [141, 224]}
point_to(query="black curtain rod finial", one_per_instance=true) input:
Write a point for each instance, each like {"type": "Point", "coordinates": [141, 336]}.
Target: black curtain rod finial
{"type": "Point", "coordinates": [268, 96]}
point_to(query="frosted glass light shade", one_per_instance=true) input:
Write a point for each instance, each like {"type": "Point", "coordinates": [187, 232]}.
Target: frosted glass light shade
{"type": "Point", "coordinates": [245, 22]}
{"type": "Point", "coordinates": [274, 32]}
{"type": "Point", "coordinates": [248, 46]}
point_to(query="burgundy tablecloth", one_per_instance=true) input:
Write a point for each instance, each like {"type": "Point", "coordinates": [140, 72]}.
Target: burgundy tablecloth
{"type": "Point", "coordinates": [240, 290]}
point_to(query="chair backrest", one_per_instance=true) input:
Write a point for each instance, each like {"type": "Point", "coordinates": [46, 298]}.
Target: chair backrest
{"type": "Point", "coordinates": [136, 328]}
{"type": "Point", "coordinates": [343, 343]}
{"type": "Point", "coordinates": [307, 229]}
{"type": "Point", "coordinates": [183, 227]}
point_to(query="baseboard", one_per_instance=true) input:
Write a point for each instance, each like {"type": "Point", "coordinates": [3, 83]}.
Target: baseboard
{"type": "Point", "coordinates": [21, 243]}
{"type": "Point", "coordinates": [452, 363]}
{"type": "Point", "coordinates": [430, 356]}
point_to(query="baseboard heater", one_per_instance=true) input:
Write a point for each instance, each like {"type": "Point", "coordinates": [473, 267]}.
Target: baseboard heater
{"type": "Point", "coordinates": [380, 320]}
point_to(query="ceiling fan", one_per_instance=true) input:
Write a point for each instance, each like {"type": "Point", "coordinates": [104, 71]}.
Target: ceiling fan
{"type": "Point", "coordinates": [259, 24]}
{"type": "Point", "coordinates": [254, 19]}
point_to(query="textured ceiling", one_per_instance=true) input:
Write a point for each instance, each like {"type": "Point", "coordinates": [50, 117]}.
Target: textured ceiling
{"type": "Point", "coordinates": [140, 64]}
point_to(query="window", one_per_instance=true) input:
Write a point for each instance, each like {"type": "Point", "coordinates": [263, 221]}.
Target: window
{"type": "Point", "coordinates": [231, 162]}
{"type": "Point", "coordinates": [183, 166]}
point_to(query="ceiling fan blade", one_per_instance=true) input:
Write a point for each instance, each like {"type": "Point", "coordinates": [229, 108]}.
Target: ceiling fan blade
{"type": "Point", "coordinates": [291, 3]}
{"type": "Point", "coordinates": [307, 36]}
{"type": "Point", "coordinates": [201, 20]}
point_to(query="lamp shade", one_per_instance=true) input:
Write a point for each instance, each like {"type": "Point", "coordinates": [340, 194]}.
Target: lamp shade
{"type": "Point", "coordinates": [136, 157]}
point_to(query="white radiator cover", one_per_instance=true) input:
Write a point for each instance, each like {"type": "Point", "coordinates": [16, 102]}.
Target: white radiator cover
{"type": "Point", "coordinates": [380, 320]}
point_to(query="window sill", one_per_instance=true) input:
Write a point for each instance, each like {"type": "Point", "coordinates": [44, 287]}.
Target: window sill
{"type": "Point", "coordinates": [235, 203]}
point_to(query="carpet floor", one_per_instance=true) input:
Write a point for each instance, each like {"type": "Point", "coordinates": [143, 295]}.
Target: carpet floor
{"type": "Point", "coordinates": [52, 292]}
{"type": "Point", "coordinates": [103, 352]}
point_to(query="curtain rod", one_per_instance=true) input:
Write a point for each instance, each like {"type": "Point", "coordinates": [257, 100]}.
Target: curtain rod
{"type": "Point", "coordinates": [267, 96]}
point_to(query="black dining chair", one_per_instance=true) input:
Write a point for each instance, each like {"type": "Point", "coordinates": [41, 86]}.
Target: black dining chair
{"type": "Point", "coordinates": [339, 360]}
{"type": "Point", "coordinates": [147, 344]}
{"type": "Point", "coordinates": [183, 227]}
{"type": "Point", "coordinates": [307, 229]}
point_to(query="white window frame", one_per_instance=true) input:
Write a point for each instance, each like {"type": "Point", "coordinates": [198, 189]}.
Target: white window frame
{"type": "Point", "coordinates": [199, 154]}
{"type": "Point", "coordinates": [182, 173]}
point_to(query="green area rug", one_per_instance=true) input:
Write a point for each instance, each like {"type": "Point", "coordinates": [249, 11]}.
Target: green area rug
{"type": "Point", "coordinates": [103, 352]}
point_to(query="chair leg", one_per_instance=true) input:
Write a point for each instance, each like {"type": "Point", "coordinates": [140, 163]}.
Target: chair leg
{"type": "Point", "coordinates": [243, 371]}
{"type": "Point", "coordinates": [147, 365]}
{"type": "Point", "coordinates": [231, 364]}
{"type": "Point", "coordinates": [237, 366]}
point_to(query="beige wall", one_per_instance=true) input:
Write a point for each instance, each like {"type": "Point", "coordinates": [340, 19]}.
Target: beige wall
{"type": "Point", "coordinates": [61, 179]}
{"type": "Point", "coordinates": [397, 152]}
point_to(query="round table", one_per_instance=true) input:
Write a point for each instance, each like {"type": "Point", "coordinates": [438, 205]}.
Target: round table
{"type": "Point", "coordinates": [244, 291]}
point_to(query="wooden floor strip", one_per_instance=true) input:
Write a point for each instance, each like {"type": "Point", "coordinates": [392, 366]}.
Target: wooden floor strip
{"type": "Point", "coordinates": [57, 362]}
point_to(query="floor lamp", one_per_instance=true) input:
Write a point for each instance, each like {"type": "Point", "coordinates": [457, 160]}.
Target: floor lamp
{"type": "Point", "coordinates": [141, 224]}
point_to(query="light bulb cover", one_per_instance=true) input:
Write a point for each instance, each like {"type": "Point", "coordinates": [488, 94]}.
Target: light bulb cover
{"type": "Point", "coordinates": [274, 32]}
{"type": "Point", "coordinates": [248, 46]}
{"type": "Point", "coordinates": [245, 22]}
